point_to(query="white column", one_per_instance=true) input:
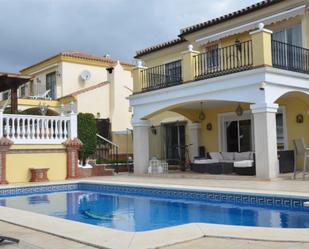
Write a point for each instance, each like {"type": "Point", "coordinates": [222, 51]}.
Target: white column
{"type": "Point", "coordinates": [73, 125]}
{"type": "Point", "coordinates": [194, 134]}
{"type": "Point", "coordinates": [141, 146]}
{"type": "Point", "coordinates": [265, 139]}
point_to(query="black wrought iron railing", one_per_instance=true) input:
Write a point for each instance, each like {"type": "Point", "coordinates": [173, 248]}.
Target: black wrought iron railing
{"type": "Point", "coordinates": [290, 57]}
{"type": "Point", "coordinates": [106, 152]}
{"type": "Point", "coordinates": [220, 61]}
{"type": "Point", "coordinates": [162, 76]}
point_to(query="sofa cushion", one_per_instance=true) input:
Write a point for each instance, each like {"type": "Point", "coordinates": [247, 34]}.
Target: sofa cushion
{"type": "Point", "coordinates": [228, 156]}
{"type": "Point", "coordinates": [227, 161]}
{"type": "Point", "coordinates": [205, 161]}
{"type": "Point", "coordinates": [243, 156]}
{"type": "Point", "coordinates": [243, 164]}
{"type": "Point", "coordinates": [215, 155]}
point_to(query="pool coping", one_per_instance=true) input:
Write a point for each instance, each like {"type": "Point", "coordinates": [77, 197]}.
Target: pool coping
{"type": "Point", "coordinates": [103, 237]}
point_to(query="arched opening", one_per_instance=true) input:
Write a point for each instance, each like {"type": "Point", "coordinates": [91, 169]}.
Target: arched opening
{"type": "Point", "coordinates": [294, 122]}
{"type": "Point", "coordinates": [168, 135]}
{"type": "Point", "coordinates": [223, 126]}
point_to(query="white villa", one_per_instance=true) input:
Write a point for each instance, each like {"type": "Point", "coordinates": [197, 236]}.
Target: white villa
{"type": "Point", "coordinates": [95, 84]}
{"type": "Point", "coordinates": [236, 84]}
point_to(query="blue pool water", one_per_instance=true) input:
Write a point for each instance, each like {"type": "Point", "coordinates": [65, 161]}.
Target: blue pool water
{"type": "Point", "coordinates": [142, 209]}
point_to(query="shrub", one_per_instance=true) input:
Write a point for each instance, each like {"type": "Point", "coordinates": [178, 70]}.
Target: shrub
{"type": "Point", "coordinates": [87, 130]}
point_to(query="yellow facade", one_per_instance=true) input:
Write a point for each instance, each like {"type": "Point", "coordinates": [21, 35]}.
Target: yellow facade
{"type": "Point", "coordinates": [261, 48]}
{"type": "Point", "coordinates": [261, 42]}
{"type": "Point", "coordinates": [125, 143]}
{"type": "Point", "coordinates": [21, 158]}
{"type": "Point", "coordinates": [293, 106]}
{"type": "Point", "coordinates": [209, 139]}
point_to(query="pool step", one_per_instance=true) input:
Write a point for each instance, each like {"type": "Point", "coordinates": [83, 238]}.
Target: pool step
{"type": "Point", "coordinates": [306, 204]}
{"type": "Point", "coordinates": [96, 170]}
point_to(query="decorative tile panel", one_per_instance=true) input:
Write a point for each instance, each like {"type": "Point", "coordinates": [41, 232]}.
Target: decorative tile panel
{"type": "Point", "coordinates": [243, 199]}
{"type": "Point", "coordinates": [207, 196]}
{"type": "Point", "coordinates": [8, 192]}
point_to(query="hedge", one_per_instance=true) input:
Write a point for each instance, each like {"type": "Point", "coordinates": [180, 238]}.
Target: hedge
{"type": "Point", "coordinates": [87, 130]}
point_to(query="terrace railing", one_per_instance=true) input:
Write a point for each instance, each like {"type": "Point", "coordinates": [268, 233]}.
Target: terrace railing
{"type": "Point", "coordinates": [221, 61]}
{"type": "Point", "coordinates": [161, 76]}
{"type": "Point", "coordinates": [106, 152]}
{"type": "Point", "coordinates": [290, 57]}
{"type": "Point", "coordinates": [34, 129]}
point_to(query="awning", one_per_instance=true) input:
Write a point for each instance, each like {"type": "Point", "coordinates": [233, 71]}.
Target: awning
{"type": "Point", "coordinates": [11, 80]}
{"type": "Point", "coordinates": [254, 25]}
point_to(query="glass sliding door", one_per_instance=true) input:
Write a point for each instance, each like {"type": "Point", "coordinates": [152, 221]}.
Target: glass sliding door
{"type": "Point", "coordinates": [51, 84]}
{"type": "Point", "coordinates": [175, 141]}
{"type": "Point", "coordinates": [238, 136]}
{"type": "Point", "coordinates": [231, 136]}
{"type": "Point", "coordinates": [245, 136]}
{"type": "Point", "coordinates": [236, 133]}
{"type": "Point", "coordinates": [290, 39]}
{"type": "Point", "coordinates": [291, 35]}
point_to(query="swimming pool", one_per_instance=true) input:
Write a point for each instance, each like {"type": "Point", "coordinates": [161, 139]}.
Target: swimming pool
{"type": "Point", "coordinates": [132, 208]}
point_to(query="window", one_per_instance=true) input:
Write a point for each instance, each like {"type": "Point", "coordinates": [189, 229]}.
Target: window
{"type": "Point", "coordinates": [5, 95]}
{"type": "Point", "coordinates": [212, 56]}
{"type": "Point", "coordinates": [281, 129]}
{"type": "Point", "coordinates": [291, 35]}
{"type": "Point", "coordinates": [51, 84]}
{"type": "Point", "coordinates": [31, 88]}
{"type": "Point", "coordinates": [22, 91]}
{"type": "Point", "coordinates": [287, 42]}
{"type": "Point", "coordinates": [236, 133]}
{"type": "Point", "coordinates": [173, 72]}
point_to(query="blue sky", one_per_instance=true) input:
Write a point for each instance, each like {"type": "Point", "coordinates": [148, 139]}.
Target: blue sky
{"type": "Point", "coordinates": [32, 30]}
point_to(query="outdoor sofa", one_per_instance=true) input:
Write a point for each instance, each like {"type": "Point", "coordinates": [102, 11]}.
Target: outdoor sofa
{"type": "Point", "coordinates": [225, 163]}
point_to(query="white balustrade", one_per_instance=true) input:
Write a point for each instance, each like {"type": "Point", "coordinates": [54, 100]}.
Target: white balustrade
{"type": "Point", "coordinates": [31, 129]}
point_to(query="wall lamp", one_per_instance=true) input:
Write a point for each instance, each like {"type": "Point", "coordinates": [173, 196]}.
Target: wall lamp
{"type": "Point", "coordinates": [153, 130]}
{"type": "Point", "coordinates": [110, 69]}
{"type": "Point", "coordinates": [262, 86]}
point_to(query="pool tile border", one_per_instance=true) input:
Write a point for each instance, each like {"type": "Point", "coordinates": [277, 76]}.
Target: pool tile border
{"type": "Point", "coordinates": [196, 195]}
{"type": "Point", "coordinates": [40, 189]}
{"type": "Point", "coordinates": [275, 201]}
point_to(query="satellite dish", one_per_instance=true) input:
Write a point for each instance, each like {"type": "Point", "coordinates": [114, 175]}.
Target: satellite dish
{"type": "Point", "coordinates": [85, 75]}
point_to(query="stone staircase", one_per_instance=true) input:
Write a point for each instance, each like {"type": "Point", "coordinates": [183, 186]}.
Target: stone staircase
{"type": "Point", "coordinates": [96, 170]}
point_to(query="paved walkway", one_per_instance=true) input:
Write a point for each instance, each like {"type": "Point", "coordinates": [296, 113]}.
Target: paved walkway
{"type": "Point", "coordinates": [216, 243]}
{"type": "Point", "coordinates": [31, 239]}
{"type": "Point", "coordinates": [220, 181]}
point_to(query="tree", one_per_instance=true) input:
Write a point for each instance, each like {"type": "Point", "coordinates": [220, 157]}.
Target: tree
{"type": "Point", "coordinates": [87, 130]}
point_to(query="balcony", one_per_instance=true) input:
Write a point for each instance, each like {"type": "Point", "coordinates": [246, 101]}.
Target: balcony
{"type": "Point", "coordinates": [33, 129]}
{"type": "Point", "coordinates": [260, 51]}
{"type": "Point", "coordinates": [289, 57]}
{"type": "Point", "coordinates": [162, 76]}
{"type": "Point", "coordinates": [221, 61]}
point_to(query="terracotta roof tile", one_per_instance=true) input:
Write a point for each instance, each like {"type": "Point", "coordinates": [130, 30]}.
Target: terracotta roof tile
{"type": "Point", "coordinates": [229, 16]}
{"type": "Point", "coordinates": [159, 46]}
{"type": "Point", "coordinates": [208, 23]}
{"type": "Point", "coordinates": [82, 55]}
